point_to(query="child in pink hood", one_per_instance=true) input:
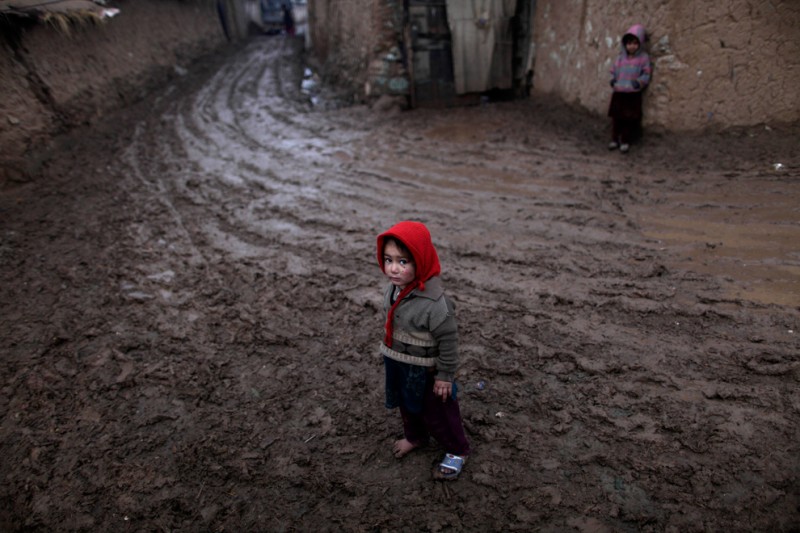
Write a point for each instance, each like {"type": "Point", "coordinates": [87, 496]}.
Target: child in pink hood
{"type": "Point", "coordinates": [630, 75]}
{"type": "Point", "coordinates": [420, 347]}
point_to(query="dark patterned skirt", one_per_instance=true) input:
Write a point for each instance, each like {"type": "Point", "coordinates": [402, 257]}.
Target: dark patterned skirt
{"type": "Point", "coordinates": [406, 385]}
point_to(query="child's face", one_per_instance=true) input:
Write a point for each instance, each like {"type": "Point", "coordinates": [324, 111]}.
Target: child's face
{"type": "Point", "coordinates": [397, 266]}
{"type": "Point", "coordinates": [632, 46]}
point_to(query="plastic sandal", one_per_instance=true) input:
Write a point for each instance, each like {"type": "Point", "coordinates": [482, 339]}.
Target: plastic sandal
{"type": "Point", "coordinates": [449, 468]}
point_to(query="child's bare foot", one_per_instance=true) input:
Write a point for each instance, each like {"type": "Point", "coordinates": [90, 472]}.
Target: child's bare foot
{"type": "Point", "coordinates": [402, 447]}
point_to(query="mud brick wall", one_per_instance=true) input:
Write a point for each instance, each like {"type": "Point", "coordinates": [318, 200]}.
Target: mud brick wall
{"type": "Point", "coordinates": [51, 80]}
{"type": "Point", "coordinates": [358, 43]}
{"type": "Point", "coordinates": [717, 63]}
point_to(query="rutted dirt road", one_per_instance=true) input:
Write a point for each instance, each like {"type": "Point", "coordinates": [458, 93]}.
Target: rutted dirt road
{"type": "Point", "coordinates": [191, 318]}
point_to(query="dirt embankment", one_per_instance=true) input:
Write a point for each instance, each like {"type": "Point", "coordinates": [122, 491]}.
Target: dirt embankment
{"type": "Point", "coordinates": [53, 80]}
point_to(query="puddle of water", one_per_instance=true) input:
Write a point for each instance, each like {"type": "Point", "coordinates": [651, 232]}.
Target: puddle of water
{"type": "Point", "coordinates": [751, 237]}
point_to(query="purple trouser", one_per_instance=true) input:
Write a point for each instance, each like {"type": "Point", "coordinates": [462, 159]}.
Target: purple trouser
{"type": "Point", "coordinates": [438, 419]}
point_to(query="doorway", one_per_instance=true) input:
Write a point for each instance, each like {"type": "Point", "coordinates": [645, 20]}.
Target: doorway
{"type": "Point", "coordinates": [459, 52]}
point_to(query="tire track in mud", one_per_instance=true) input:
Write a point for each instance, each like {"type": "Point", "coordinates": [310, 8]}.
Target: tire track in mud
{"type": "Point", "coordinates": [618, 393]}
{"type": "Point", "coordinates": [220, 158]}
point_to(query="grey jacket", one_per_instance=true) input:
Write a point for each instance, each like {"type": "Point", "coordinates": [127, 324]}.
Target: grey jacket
{"type": "Point", "coordinates": [422, 313]}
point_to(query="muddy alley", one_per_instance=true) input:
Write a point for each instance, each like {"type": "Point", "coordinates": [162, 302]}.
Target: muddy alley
{"type": "Point", "coordinates": [191, 313]}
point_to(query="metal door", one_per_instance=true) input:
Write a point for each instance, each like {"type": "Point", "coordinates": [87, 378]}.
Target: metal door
{"type": "Point", "coordinates": [430, 55]}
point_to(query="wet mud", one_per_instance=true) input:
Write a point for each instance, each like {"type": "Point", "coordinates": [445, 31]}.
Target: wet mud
{"type": "Point", "coordinates": [191, 313]}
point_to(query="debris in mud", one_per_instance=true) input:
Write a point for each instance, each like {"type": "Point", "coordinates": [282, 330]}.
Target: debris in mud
{"type": "Point", "coordinates": [321, 96]}
{"type": "Point", "coordinates": [310, 83]}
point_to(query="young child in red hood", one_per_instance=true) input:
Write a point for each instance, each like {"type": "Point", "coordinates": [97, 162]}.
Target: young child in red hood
{"type": "Point", "coordinates": [420, 347]}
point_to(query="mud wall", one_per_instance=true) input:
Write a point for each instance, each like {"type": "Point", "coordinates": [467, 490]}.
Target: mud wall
{"type": "Point", "coordinates": [357, 43]}
{"type": "Point", "coordinates": [51, 80]}
{"type": "Point", "coordinates": [717, 63]}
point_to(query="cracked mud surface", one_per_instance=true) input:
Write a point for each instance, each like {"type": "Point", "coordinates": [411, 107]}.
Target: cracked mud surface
{"type": "Point", "coordinates": [191, 311]}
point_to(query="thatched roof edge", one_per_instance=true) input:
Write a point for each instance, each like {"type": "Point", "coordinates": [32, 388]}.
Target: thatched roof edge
{"type": "Point", "coordinates": [59, 11]}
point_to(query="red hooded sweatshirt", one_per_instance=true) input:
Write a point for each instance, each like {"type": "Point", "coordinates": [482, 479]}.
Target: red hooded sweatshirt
{"type": "Point", "coordinates": [416, 237]}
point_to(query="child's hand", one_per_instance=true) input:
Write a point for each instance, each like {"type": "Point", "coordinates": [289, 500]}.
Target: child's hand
{"type": "Point", "coordinates": [442, 389]}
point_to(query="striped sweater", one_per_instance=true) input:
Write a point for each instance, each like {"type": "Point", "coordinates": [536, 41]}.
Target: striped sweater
{"type": "Point", "coordinates": [629, 69]}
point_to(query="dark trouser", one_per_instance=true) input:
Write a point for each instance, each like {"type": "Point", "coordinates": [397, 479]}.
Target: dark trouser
{"type": "Point", "coordinates": [624, 131]}
{"type": "Point", "coordinates": [438, 419]}
{"type": "Point", "coordinates": [625, 111]}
